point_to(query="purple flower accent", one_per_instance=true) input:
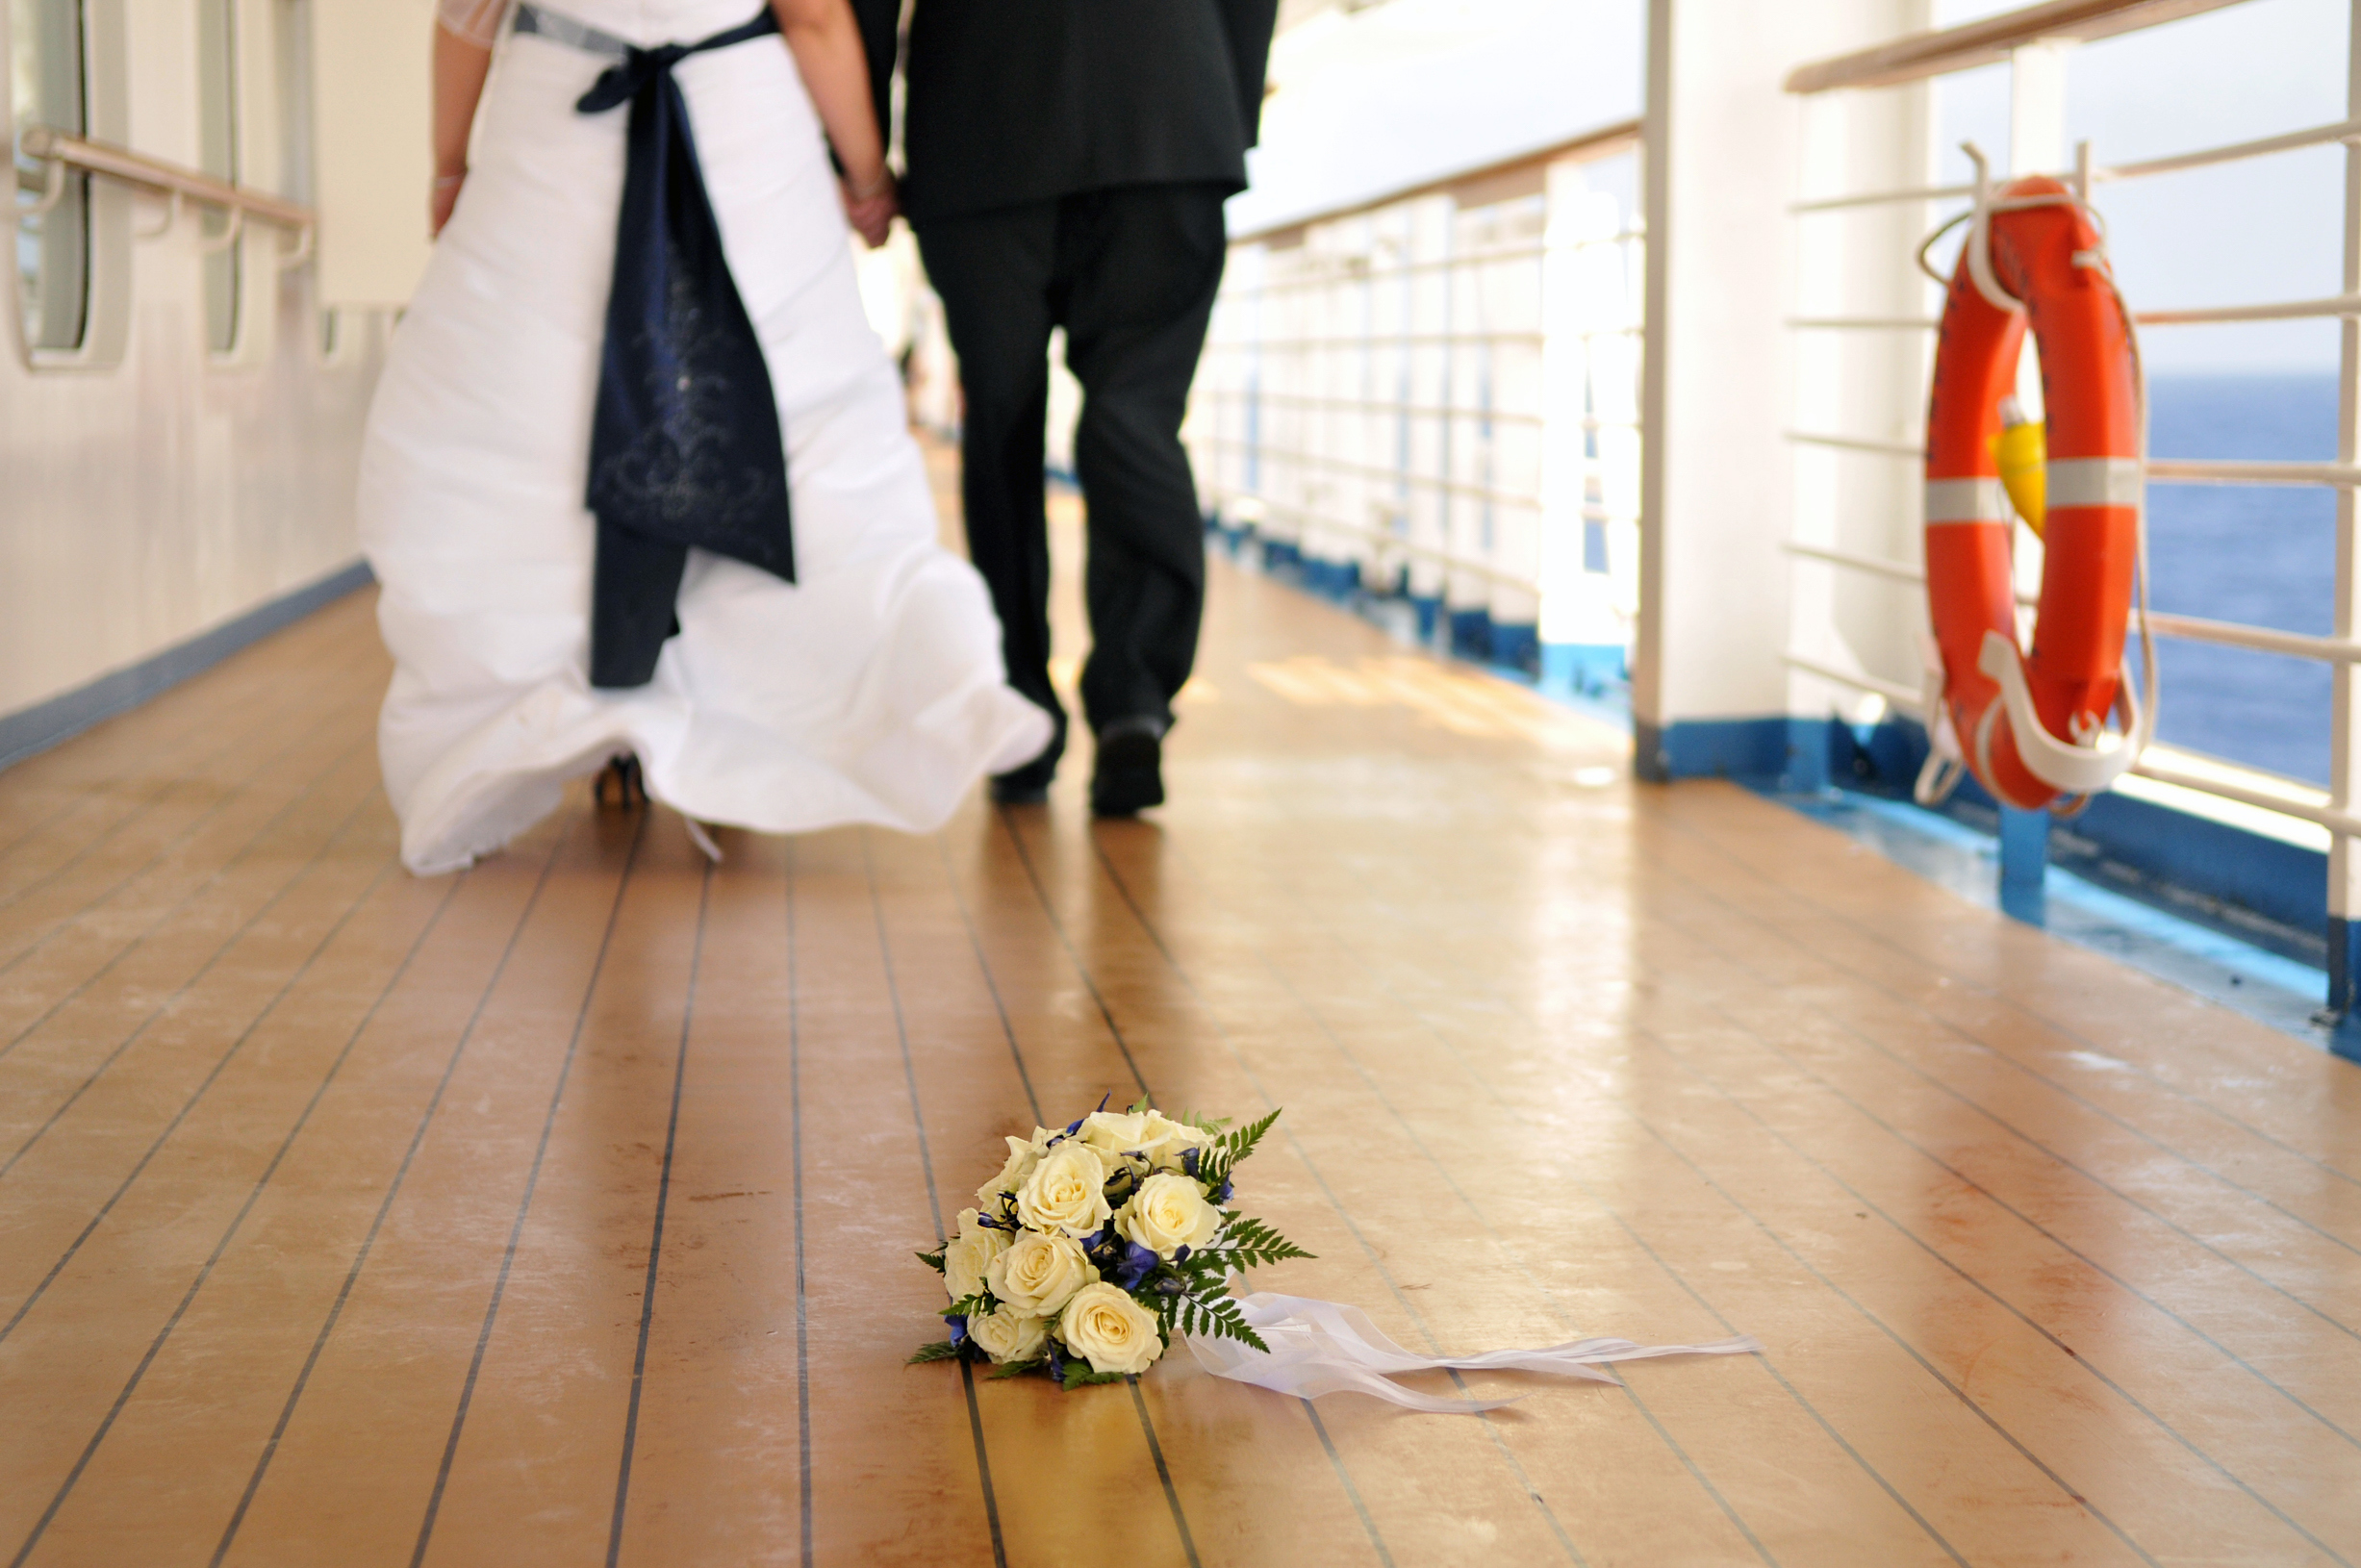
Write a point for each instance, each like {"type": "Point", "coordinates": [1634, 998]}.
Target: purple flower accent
{"type": "Point", "coordinates": [1136, 1264]}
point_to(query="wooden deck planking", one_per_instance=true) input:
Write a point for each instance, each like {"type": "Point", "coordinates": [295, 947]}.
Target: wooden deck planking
{"type": "Point", "coordinates": [347, 1206]}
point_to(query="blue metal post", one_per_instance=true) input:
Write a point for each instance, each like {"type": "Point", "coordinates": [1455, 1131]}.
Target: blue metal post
{"type": "Point", "coordinates": [2345, 986]}
{"type": "Point", "coordinates": [2025, 858]}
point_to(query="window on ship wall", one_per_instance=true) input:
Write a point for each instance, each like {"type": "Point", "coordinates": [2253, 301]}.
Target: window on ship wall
{"type": "Point", "coordinates": [49, 86]}
{"type": "Point", "coordinates": [223, 239]}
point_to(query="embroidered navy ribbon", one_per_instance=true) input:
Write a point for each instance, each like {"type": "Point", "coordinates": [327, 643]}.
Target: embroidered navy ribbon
{"type": "Point", "coordinates": [685, 441]}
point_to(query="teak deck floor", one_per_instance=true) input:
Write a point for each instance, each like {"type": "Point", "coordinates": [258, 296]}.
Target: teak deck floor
{"type": "Point", "coordinates": [562, 1211]}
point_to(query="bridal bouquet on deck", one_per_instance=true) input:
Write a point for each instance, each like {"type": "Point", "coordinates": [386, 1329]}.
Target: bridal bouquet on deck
{"type": "Point", "coordinates": [1096, 1248]}
{"type": "Point", "coordinates": [1097, 1245]}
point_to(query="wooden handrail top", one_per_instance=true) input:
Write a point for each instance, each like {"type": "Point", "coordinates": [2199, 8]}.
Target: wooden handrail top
{"type": "Point", "coordinates": [1603, 143]}
{"type": "Point", "coordinates": [1989, 41]}
{"type": "Point", "coordinates": [155, 174]}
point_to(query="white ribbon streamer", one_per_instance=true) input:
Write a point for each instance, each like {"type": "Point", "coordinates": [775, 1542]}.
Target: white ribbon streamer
{"type": "Point", "coordinates": [1327, 1347]}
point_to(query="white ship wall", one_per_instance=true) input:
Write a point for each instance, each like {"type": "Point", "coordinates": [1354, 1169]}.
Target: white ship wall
{"type": "Point", "coordinates": [154, 490]}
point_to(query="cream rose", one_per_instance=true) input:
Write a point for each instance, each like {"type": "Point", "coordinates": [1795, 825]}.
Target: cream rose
{"type": "Point", "coordinates": [1066, 1192]}
{"type": "Point", "coordinates": [1166, 1140]}
{"type": "Point", "coordinates": [1023, 1156]}
{"type": "Point", "coordinates": [1008, 1336]}
{"type": "Point", "coordinates": [1169, 1212]}
{"type": "Point", "coordinates": [1037, 1275]}
{"type": "Point", "coordinates": [965, 1260]}
{"type": "Point", "coordinates": [1114, 1332]}
{"type": "Point", "coordinates": [1115, 1132]}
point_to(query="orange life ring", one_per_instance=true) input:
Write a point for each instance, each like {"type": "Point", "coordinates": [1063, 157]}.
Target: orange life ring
{"type": "Point", "coordinates": [2032, 727]}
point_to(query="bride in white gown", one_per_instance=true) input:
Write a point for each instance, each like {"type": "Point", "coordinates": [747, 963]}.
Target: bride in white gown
{"type": "Point", "coordinates": [869, 689]}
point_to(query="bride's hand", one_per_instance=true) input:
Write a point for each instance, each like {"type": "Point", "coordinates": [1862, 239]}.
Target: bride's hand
{"type": "Point", "coordinates": [445, 197]}
{"type": "Point", "coordinates": [872, 213]}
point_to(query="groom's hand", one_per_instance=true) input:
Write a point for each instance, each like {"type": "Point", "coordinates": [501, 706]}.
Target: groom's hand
{"type": "Point", "coordinates": [871, 215]}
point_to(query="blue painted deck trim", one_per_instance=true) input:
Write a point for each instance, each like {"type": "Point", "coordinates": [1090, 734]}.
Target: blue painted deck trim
{"type": "Point", "coordinates": [2276, 991]}
{"type": "Point", "coordinates": [31, 731]}
{"type": "Point", "coordinates": [1749, 749]}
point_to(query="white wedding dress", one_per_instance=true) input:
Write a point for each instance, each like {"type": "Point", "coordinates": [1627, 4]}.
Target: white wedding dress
{"type": "Point", "coordinates": [870, 691]}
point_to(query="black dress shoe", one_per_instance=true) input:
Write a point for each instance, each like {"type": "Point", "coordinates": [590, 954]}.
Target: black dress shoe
{"type": "Point", "coordinates": [1129, 772]}
{"type": "Point", "coordinates": [1026, 786]}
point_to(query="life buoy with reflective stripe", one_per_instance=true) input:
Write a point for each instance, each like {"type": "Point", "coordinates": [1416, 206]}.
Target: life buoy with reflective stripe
{"type": "Point", "coordinates": [2032, 726]}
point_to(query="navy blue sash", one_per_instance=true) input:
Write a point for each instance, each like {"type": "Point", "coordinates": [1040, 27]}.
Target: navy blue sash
{"type": "Point", "coordinates": [685, 443]}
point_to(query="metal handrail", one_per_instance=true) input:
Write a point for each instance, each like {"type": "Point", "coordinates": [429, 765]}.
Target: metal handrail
{"type": "Point", "coordinates": [1856, 444]}
{"type": "Point", "coordinates": [2231, 151]}
{"type": "Point", "coordinates": [1372, 405]}
{"type": "Point", "coordinates": [1370, 470]}
{"type": "Point", "coordinates": [1419, 340]}
{"type": "Point", "coordinates": [2203, 158]}
{"type": "Point", "coordinates": [2290, 310]}
{"type": "Point", "coordinates": [1863, 323]}
{"type": "Point", "coordinates": [1881, 199]}
{"type": "Point", "coordinates": [2186, 628]}
{"type": "Point", "coordinates": [1989, 41]}
{"type": "Point", "coordinates": [1346, 274]}
{"type": "Point", "coordinates": [60, 150]}
{"type": "Point", "coordinates": [2180, 472]}
{"type": "Point", "coordinates": [2285, 309]}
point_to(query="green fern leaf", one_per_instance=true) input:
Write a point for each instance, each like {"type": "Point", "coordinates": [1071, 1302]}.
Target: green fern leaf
{"type": "Point", "coordinates": [942, 1350]}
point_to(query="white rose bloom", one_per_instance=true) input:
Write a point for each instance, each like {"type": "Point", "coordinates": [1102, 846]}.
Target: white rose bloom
{"type": "Point", "coordinates": [1169, 1212]}
{"type": "Point", "coordinates": [1115, 1132]}
{"type": "Point", "coordinates": [965, 1260]}
{"type": "Point", "coordinates": [1023, 1156]}
{"type": "Point", "coordinates": [1008, 1336]}
{"type": "Point", "coordinates": [1165, 1140]}
{"type": "Point", "coordinates": [1037, 1275]}
{"type": "Point", "coordinates": [1114, 1332]}
{"type": "Point", "coordinates": [1066, 1192]}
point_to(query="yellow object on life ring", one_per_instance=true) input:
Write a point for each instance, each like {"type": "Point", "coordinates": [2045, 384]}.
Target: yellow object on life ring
{"type": "Point", "coordinates": [2021, 453]}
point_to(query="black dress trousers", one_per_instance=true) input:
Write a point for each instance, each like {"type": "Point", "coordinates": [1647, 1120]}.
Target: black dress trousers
{"type": "Point", "coordinates": [1130, 272]}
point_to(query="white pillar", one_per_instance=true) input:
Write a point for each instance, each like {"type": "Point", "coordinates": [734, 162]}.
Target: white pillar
{"type": "Point", "coordinates": [1722, 151]}
{"type": "Point", "coordinates": [2345, 700]}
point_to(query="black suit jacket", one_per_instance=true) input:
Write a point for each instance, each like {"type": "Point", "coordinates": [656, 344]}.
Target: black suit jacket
{"type": "Point", "coordinates": [1012, 101]}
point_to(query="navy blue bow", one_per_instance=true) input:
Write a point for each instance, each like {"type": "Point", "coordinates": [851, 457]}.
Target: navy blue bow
{"type": "Point", "coordinates": [685, 442]}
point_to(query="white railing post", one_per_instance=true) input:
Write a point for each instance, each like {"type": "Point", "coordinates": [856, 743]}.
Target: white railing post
{"type": "Point", "coordinates": [2345, 702]}
{"type": "Point", "coordinates": [2037, 145]}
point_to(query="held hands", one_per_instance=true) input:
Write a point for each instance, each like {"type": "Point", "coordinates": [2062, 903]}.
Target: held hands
{"type": "Point", "coordinates": [871, 208]}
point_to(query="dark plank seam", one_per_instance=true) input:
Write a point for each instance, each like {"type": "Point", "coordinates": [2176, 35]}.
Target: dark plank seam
{"type": "Point", "coordinates": [229, 1234]}
{"type": "Point", "coordinates": [524, 1204]}
{"type": "Point", "coordinates": [384, 1207]}
{"type": "Point", "coordinates": [656, 1236]}
{"type": "Point", "coordinates": [934, 1202]}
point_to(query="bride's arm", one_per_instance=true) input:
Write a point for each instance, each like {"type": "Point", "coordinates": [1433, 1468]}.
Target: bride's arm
{"type": "Point", "coordinates": [836, 71]}
{"type": "Point", "coordinates": [463, 31]}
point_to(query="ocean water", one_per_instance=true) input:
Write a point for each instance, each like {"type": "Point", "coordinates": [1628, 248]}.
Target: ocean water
{"type": "Point", "coordinates": [2263, 555]}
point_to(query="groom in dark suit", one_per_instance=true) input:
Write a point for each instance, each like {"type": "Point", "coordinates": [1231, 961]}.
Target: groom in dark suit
{"type": "Point", "coordinates": [1067, 164]}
